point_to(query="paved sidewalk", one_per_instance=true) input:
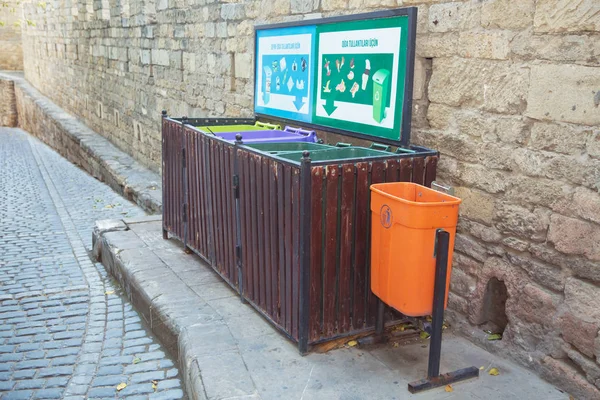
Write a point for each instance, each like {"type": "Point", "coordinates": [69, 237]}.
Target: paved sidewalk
{"type": "Point", "coordinates": [227, 351]}
{"type": "Point", "coordinates": [65, 330]}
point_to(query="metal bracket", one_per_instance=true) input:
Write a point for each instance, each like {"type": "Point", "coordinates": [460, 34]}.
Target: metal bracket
{"type": "Point", "coordinates": [442, 188]}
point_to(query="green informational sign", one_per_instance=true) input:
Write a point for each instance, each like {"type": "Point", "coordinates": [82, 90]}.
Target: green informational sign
{"type": "Point", "coordinates": [360, 72]}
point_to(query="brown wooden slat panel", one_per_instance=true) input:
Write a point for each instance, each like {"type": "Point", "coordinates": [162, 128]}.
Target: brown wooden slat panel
{"type": "Point", "coordinates": [316, 253]}
{"type": "Point", "coordinates": [418, 175]}
{"type": "Point", "coordinates": [430, 170]}
{"type": "Point", "coordinates": [281, 241]}
{"type": "Point", "coordinates": [202, 202]}
{"type": "Point", "coordinates": [331, 246]}
{"type": "Point", "coordinates": [406, 170]}
{"type": "Point", "coordinates": [245, 222]}
{"type": "Point", "coordinates": [360, 244]}
{"type": "Point", "coordinates": [234, 227]}
{"type": "Point", "coordinates": [229, 211]}
{"type": "Point", "coordinates": [295, 249]}
{"type": "Point", "coordinates": [287, 175]}
{"type": "Point", "coordinates": [253, 229]}
{"type": "Point", "coordinates": [346, 246]}
{"type": "Point", "coordinates": [266, 228]}
{"type": "Point", "coordinates": [392, 171]}
{"type": "Point", "coordinates": [273, 247]}
{"type": "Point", "coordinates": [377, 176]}
{"type": "Point", "coordinates": [260, 214]}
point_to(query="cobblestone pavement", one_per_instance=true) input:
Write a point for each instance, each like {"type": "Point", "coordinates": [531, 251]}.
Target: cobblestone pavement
{"type": "Point", "coordinates": [65, 330]}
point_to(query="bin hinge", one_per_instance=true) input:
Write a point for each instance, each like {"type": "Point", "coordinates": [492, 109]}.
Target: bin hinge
{"type": "Point", "coordinates": [183, 157]}
{"type": "Point", "coordinates": [236, 186]}
{"type": "Point", "coordinates": [185, 207]}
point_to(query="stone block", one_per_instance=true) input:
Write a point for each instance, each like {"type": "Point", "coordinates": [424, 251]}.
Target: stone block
{"type": "Point", "coordinates": [522, 222]}
{"type": "Point", "coordinates": [304, 6]}
{"type": "Point", "coordinates": [243, 66]}
{"type": "Point", "coordinates": [479, 177]}
{"type": "Point", "coordinates": [593, 143]}
{"type": "Point", "coordinates": [583, 300]}
{"type": "Point", "coordinates": [568, 377]}
{"type": "Point", "coordinates": [420, 78]}
{"type": "Point", "coordinates": [579, 333]}
{"type": "Point", "coordinates": [547, 275]}
{"type": "Point", "coordinates": [573, 236]}
{"type": "Point", "coordinates": [476, 205]}
{"type": "Point", "coordinates": [160, 57]}
{"type": "Point", "coordinates": [536, 305]}
{"type": "Point", "coordinates": [507, 14]}
{"type": "Point", "coordinates": [557, 16]}
{"type": "Point", "coordinates": [591, 369]}
{"type": "Point", "coordinates": [564, 93]}
{"type": "Point", "coordinates": [563, 138]}
{"type": "Point", "coordinates": [462, 283]}
{"type": "Point", "coordinates": [587, 204]}
{"type": "Point", "coordinates": [331, 5]}
{"type": "Point", "coordinates": [437, 45]}
{"type": "Point", "coordinates": [490, 85]}
{"type": "Point", "coordinates": [490, 45]}
{"type": "Point", "coordinates": [446, 17]}
{"type": "Point", "coordinates": [233, 11]}
{"type": "Point", "coordinates": [560, 48]}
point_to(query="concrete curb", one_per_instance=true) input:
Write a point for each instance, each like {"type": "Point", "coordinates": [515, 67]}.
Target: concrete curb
{"type": "Point", "coordinates": [164, 311]}
{"type": "Point", "coordinates": [84, 147]}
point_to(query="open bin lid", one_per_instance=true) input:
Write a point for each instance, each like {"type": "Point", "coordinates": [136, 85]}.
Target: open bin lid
{"type": "Point", "coordinates": [332, 73]}
{"type": "Point", "coordinates": [337, 154]}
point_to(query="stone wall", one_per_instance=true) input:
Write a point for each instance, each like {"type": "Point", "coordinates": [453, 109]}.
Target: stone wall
{"type": "Point", "coordinates": [508, 91]}
{"type": "Point", "coordinates": [8, 104]}
{"type": "Point", "coordinates": [11, 52]}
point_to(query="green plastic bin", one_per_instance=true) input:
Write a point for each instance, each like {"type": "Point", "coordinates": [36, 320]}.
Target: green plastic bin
{"type": "Point", "coordinates": [335, 153]}
{"type": "Point", "coordinates": [279, 148]}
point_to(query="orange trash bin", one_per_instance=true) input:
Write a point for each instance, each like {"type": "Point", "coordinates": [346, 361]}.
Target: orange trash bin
{"type": "Point", "coordinates": [405, 217]}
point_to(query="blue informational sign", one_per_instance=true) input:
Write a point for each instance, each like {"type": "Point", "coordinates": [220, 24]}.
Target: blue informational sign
{"type": "Point", "coordinates": [284, 72]}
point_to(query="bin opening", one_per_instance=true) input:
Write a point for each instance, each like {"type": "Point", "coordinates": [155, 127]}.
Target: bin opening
{"type": "Point", "coordinates": [414, 193]}
{"type": "Point", "coordinates": [344, 153]}
{"type": "Point", "coordinates": [493, 313]}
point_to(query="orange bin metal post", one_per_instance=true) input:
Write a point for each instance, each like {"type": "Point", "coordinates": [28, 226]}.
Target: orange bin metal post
{"type": "Point", "coordinates": [412, 240]}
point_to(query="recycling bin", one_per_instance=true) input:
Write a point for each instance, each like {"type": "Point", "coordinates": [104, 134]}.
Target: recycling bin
{"type": "Point", "coordinates": [381, 83]}
{"type": "Point", "coordinates": [336, 153]}
{"type": "Point", "coordinates": [289, 134]}
{"type": "Point", "coordinates": [287, 147]}
{"type": "Point", "coordinates": [405, 218]}
{"type": "Point", "coordinates": [258, 126]}
{"type": "Point", "coordinates": [299, 214]}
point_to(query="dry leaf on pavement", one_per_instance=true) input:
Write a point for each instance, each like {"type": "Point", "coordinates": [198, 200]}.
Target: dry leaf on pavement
{"type": "Point", "coordinates": [352, 343]}
{"type": "Point", "coordinates": [154, 385]}
{"type": "Point", "coordinates": [448, 388]}
{"type": "Point", "coordinates": [494, 372]}
{"type": "Point", "coordinates": [109, 292]}
{"type": "Point", "coordinates": [121, 386]}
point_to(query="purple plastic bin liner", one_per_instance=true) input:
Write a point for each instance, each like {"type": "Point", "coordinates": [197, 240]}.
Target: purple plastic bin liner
{"type": "Point", "coordinates": [270, 136]}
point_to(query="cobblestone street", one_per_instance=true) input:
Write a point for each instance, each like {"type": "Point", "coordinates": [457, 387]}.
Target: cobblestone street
{"type": "Point", "coordinates": [65, 329]}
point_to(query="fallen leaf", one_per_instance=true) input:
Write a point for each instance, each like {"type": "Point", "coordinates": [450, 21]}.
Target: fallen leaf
{"type": "Point", "coordinates": [448, 388]}
{"type": "Point", "coordinates": [109, 292]}
{"type": "Point", "coordinates": [136, 360]}
{"type": "Point", "coordinates": [154, 385]}
{"type": "Point", "coordinates": [108, 206]}
{"type": "Point", "coordinates": [395, 344]}
{"type": "Point", "coordinates": [352, 343]}
{"type": "Point", "coordinates": [428, 318]}
{"type": "Point", "coordinates": [495, 336]}
{"type": "Point", "coordinates": [424, 335]}
{"type": "Point", "coordinates": [121, 386]}
{"type": "Point", "coordinates": [481, 368]}
{"type": "Point", "coordinates": [494, 372]}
